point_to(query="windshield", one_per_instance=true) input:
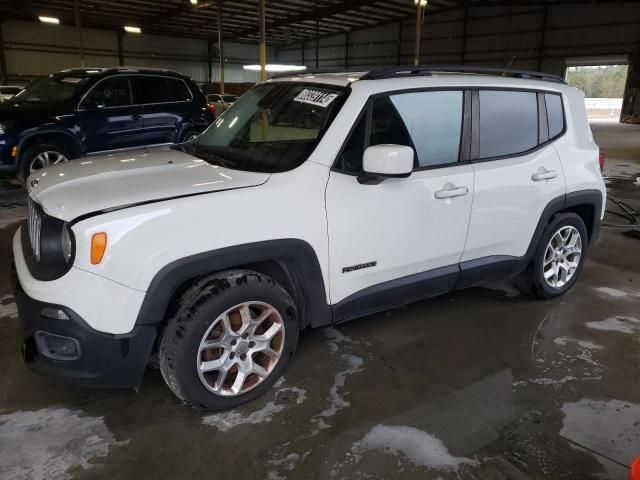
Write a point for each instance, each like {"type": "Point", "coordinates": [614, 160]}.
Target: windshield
{"type": "Point", "coordinates": [271, 128]}
{"type": "Point", "coordinates": [53, 90]}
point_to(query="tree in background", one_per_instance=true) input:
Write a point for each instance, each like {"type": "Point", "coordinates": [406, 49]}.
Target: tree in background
{"type": "Point", "coordinates": [604, 81]}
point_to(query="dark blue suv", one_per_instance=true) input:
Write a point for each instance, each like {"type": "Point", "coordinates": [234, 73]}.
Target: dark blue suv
{"type": "Point", "coordinates": [78, 112]}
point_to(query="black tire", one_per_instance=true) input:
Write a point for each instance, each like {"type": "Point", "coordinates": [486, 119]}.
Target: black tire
{"type": "Point", "coordinates": [187, 135]}
{"type": "Point", "coordinates": [198, 309]}
{"type": "Point", "coordinates": [531, 281]}
{"type": "Point", "coordinates": [31, 153]}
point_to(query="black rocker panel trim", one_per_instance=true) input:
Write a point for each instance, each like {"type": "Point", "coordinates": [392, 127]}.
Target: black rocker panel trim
{"type": "Point", "coordinates": [296, 257]}
{"type": "Point", "coordinates": [397, 292]}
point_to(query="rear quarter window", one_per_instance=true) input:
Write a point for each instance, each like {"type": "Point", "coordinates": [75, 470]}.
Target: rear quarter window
{"type": "Point", "coordinates": [555, 114]}
{"type": "Point", "coordinates": [508, 122]}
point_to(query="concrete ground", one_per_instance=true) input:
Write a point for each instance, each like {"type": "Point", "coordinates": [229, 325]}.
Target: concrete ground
{"type": "Point", "coordinates": [482, 384]}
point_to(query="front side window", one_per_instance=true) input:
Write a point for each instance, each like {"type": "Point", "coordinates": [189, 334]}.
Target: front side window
{"type": "Point", "coordinates": [271, 128]}
{"type": "Point", "coordinates": [434, 122]}
{"type": "Point", "coordinates": [508, 122]}
{"type": "Point", "coordinates": [151, 89]}
{"type": "Point", "coordinates": [111, 92]}
{"type": "Point", "coordinates": [429, 122]}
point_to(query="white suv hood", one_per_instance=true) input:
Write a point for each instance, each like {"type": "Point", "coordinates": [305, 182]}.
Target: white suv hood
{"type": "Point", "coordinates": [92, 184]}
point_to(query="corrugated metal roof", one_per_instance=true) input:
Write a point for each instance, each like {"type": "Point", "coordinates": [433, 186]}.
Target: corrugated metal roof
{"type": "Point", "coordinates": [288, 21]}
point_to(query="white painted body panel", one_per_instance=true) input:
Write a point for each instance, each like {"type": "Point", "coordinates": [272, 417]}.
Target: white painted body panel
{"type": "Point", "coordinates": [578, 149]}
{"type": "Point", "coordinates": [70, 190]}
{"type": "Point", "coordinates": [105, 305]}
{"type": "Point", "coordinates": [507, 203]}
{"type": "Point", "coordinates": [398, 223]}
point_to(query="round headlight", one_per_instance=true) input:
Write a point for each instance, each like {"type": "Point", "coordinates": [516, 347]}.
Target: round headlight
{"type": "Point", "coordinates": [67, 245]}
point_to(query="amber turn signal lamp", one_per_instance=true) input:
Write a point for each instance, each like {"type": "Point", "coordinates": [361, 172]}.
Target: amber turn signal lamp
{"type": "Point", "coordinates": [98, 247]}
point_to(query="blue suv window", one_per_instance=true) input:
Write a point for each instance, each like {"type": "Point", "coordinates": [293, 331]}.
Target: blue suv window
{"type": "Point", "coordinates": [110, 92]}
{"type": "Point", "coordinates": [151, 89]}
{"type": "Point", "coordinates": [179, 91]}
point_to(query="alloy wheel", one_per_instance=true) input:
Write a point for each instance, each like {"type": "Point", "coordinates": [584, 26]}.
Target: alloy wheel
{"type": "Point", "coordinates": [562, 257]}
{"type": "Point", "coordinates": [241, 348]}
{"type": "Point", "coordinates": [45, 159]}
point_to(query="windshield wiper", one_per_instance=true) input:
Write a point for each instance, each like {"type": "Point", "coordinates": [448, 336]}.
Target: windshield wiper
{"type": "Point", "coordinates": [211, 157]}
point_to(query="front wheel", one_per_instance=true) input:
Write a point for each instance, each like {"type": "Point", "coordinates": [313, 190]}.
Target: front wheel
{"type": "Point", "coordinates": [229, 341]}
{"type": "Point", "coordinates": [558, 259]}
{"type": "Point", "coordinates": [40, 156]}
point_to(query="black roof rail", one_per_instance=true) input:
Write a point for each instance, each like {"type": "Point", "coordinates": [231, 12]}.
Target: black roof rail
{"type": "Point", "coordinates": [426, 70]}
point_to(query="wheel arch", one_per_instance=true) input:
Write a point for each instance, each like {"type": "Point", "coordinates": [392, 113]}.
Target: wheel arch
{"type": "Point", "coordinates": [292, 263]}
{"type": "Point", "coordinates": [51, 135]}
{"type": "Point", "coordinates": [585, 203]}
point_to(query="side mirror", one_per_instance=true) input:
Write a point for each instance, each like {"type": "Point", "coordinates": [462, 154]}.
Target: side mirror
{"type": "Point", "coordinates": [386, 161]}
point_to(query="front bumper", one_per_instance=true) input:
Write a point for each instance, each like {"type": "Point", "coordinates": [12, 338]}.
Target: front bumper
{"type": "Point", "coordinates": [104, 360]}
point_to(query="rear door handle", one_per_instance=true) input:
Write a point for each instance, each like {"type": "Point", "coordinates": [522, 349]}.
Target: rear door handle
{"type": "Point", "coordinates": [451, 191]}
{"type": "Point", "coordinates": [543, 174]}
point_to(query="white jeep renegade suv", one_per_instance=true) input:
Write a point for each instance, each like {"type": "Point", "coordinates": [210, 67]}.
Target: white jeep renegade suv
{"type": "Point", "coordinates": [315, 199]}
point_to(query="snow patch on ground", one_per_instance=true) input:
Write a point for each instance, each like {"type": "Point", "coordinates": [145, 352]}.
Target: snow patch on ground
{"type": "Point", "coordinates": [8, 307]}
{"type": "Point", "coordinates": [352, 364]}
{"type": "Point", "coordinates": [617, 324]}
{"type": "Point", "coordinates": [420, 448]}
{"type": "Point", "coordinates": [563, 341]}
{"type": "Point", "coordinates": [338, 402]}
{"type": "Point", "coordinates": [46, 444]}
{"type": "Point", "coordinates": [226, 421]}
{"type": "Point", "coordinates": [612, 292]}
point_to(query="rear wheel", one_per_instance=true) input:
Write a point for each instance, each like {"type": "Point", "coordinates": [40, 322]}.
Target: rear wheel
{"type": "Point", "coordinates": [558, 259]}
{"type": "Point", "coordinates": [229, 340]}
{"type": "Point", "coordinates": [40, 156]}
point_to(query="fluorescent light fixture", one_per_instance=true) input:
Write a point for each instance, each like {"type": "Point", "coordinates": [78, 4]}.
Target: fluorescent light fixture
{"type": "Point", "coordinates": [276, 68]}
{"type": "Point", "coordinates": [132, 29]}
{"type": "Point", "coordinates": [53, 20]}
{"type": "Point", "coordinates": [194, 2]}
{"type": "Point", "coordinates": [422, 3]}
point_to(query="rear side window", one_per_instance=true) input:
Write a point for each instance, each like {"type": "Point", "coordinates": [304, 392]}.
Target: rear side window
{"type": "Point", "coordinates": [151, 89]}
{"type": "Point", "coordinates": [508, 122]}
{"type": "Point", "coordinates": [555, 114]}
{"type": "Point", "coordinates": [179, 91]}
{"type": "Point", "coordinates": [110, 92]}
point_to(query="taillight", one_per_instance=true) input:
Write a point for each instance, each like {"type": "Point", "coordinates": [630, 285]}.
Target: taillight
{"type": "Point", "coordinates": [601, 160]}
{"type": "Point", "coordinates": [212, 108]}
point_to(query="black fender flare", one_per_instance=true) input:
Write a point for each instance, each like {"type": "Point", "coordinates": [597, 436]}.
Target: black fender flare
{"type": "Point", "coordinates": [46, 131]}
{"type": "Point", "coordinates": [479, 270]}
{"type": "Point", "coordinates": [296, 258]}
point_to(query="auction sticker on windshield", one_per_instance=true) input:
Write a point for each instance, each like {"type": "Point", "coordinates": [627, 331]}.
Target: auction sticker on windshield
{"type": "Point", "coordinates": [316, 97]}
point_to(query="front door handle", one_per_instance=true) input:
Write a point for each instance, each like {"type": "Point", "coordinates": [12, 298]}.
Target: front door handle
{"type": "Point", "coordinates": [136, 116]}
{"type": "Point", "coordinates": [451, 190]}
{"type": "Point", "coordinates": [544, 174]}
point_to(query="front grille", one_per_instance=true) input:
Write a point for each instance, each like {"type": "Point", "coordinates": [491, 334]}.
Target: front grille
{"type": "Point", "coordinates": [34, 222]}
